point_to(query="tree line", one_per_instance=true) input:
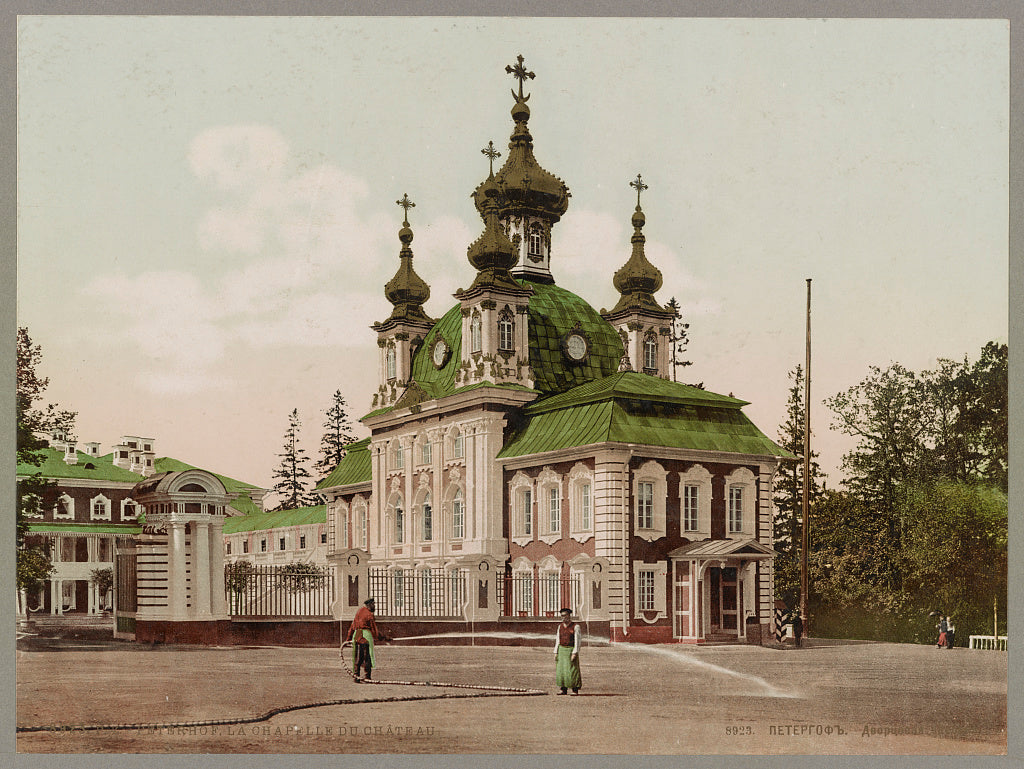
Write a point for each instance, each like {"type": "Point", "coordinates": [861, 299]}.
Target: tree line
{"type": "Point", "coordinates": [918, 526]}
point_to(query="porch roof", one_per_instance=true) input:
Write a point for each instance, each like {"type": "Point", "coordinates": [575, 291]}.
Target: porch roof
{"type": "Point", "coordinates": [723, 548]}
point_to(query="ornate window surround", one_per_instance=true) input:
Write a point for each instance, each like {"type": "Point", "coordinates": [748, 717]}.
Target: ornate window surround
{"type": "Point", "coordinates": [651, 472]}
{"type": "Point", "coordinates": [698, 476]}
{"type": "Point", "coordinates": [744, 479]}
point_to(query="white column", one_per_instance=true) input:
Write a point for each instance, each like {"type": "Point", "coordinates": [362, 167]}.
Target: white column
{"type": "Point", "coordinates": [56, 594]}
{"type": "Point", "coordinates": [201, 570]}
{"type": "Point", "coordinates": [218, 600]}
{"type": "Point", "coordinates": [176, 570]}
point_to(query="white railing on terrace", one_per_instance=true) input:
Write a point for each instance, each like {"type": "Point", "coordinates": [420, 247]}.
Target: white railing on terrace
{"type": "Point", "coordinates": [997, 643]}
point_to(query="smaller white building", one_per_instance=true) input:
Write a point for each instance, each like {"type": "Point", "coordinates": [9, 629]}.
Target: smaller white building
{"type": "Point", "coordinates": [278, 538]}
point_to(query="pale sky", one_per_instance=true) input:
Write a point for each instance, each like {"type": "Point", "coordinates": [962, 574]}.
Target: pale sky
{"type": "Point", "coordinates": [207, 205]}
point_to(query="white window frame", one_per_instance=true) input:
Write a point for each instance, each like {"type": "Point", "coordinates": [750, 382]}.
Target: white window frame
{"type": "Point", "coordinates": [427, 516]}
{"type": "Point", "coordinates": [398, 513]}
{"type": "Point", "coordinates": [549, 483]}
{"type": "Point", "coordinates": [689, 508]}
{"type": "Point", "coordinates": [390, 363]}
{"type": "Point", "coordinates": [360, 514]}
{"type": "Point", "coordinates": [476, 336]}
{"type": "Point", "coordinates": [104, 503]}
{"type": "Point", "coordinates": [645, 504]}
{"type": "Point", "coordinates": [659, 572]}
{"type": "Point", "coordinates": [457, 443]}
{"type": "Point", "coordinates": [342, 511]}
{"type": "Point", "coordinates": [650, 472]}
{"type": "Point", "coordinates": [426, 451]}
{"type": "Point", "coordinates": [535, 243]}
{"type": "Point", "coordinates": [650, 343]}
{"type": "Point", "coordinates": [506, 331]}
{"type": "Point", "coordinates": [581, 527]}
{"type": "Point", "coordinates": [743, 479]}
{"type": "Point", "coordinates": [698, 476]}
{"type": "Point", "coordinates": [397, 453]}
{"type": "Point", "coordinates": [458, 514]}
{"type": "Point", "coordinates": [64, 509]}
{"type": "Point", "coordinates": [127, 505]}
{"type": "Point", "coordinates": [521, 528]}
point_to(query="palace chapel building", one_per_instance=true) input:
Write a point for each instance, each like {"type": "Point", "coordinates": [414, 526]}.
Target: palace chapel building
{"type": "Point", "coordinates": [528, 452]}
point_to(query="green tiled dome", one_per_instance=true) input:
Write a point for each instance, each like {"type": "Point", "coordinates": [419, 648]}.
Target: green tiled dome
{"type": "Point", "coordinates": [553, 313]}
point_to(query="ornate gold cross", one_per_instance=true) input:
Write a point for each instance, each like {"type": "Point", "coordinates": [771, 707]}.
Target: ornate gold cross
{"type": "Point", "coordinates": [491, 153]}
{"type": "Point", "coordinates": [518, 71]}
{"type": "Point", "coordinates": [406, 204]}
{"type": "Point", "coordinates": [639, 186]}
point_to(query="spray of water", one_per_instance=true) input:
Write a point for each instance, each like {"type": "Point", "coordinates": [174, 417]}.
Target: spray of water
{"type": "Point", "coordinates": [763, 688]}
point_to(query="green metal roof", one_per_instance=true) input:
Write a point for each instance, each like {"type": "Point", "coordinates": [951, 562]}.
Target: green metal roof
{"type": "Point", "coordinates": [353, 468]}
{"type": "Point", "coordinates": [244, 505]}
{"type": "Point", "coordinates": [84, 528]}
{"type": "Point", "coordinates": [171, 465]}
{"type": "Point", "coordinates": [279, 519]}
{"type": "Point", "coordinates": [88, 468]}
{"type": "Point", "coordinates": [629, 384]}
{"type": "Point", "coordinates": [553, 312]}
{"type": "Point", "coordinates": [636, 408]}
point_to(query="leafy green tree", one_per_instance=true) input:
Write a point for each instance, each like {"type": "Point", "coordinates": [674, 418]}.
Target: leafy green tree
{"type": "Point", "coordinates": [955, 553]}
{"type": "Point", "coordinates": [889, 412]}
{"type": "Point", "coordinates": [33, 564]}
{"type": "Point", "coordinates": [337, 435]}
{"type": "Point", "coordinates": [294, 477]}
{"type": "Point", "coordinates": [789, 486]}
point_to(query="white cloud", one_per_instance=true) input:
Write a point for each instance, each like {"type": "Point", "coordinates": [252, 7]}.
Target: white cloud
{"type": "Point", "coordinates": [236, 156]}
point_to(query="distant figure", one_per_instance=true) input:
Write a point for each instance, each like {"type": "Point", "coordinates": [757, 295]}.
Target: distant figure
{"type": "Point", "coordinates": [567, 654]}
{"type": "Point", "coordinates": [950, 633]}
{"type": "Point", "coordinates": [362, 633]}
{"type": "Point", "coordinates": [943, 630]}
{"type": "Point", "coordinates": [798, 630]}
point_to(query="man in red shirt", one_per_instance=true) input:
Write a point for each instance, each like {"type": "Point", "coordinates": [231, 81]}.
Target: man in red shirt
{"type": "Point", "coordinates": [362, 632]}
{"type": "Point", "coordinates": [567, 654]}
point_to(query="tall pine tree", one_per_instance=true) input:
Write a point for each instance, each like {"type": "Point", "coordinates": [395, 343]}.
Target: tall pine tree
{"type": "Point", "coordinates": [680, 338]}
{"type": "Point", "coordinates": [294, 477]}
{"type": "Point", "coordinates": [337, 435]}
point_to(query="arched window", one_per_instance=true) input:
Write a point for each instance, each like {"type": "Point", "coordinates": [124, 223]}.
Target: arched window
{"type": "Point", "coordinates": [476, 342]}
{"type": "Point", "coordinates": [426, 450]}
{"type": "Point", "coordinates": [399, 522]}
{"type": "Point", "coordinates": [99, 508]}
{"type": "Point", "coordinates": [458, 450]}
{"type": "Point", "coordinates": [651, 352]}
{"type": "Point", "coordinates": [389, 357]}
{"type": "Point", "coordinates": [427, 516]}
{"type": "Point", "coordinates": [506, 329]}
{"type": "Point", "coordinates": [458, 515]}
{"type": "Point", "coordinates": [397, 456]}
{"type": "Point", "coordinates": [359, 515]}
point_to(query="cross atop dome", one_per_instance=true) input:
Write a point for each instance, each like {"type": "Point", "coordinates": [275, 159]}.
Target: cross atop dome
{"type": "Point", "coordinates": [519, 72]}
{"type": "Point", "coordinates": [639, 186]}
{"type": "Point", "coordinates": [491, 154]}
{"type": "Point", "coordinates": [406, 204]}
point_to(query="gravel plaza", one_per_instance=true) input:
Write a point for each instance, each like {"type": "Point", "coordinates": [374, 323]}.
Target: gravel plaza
{"type": "Point", "coordinates": [831, 697]}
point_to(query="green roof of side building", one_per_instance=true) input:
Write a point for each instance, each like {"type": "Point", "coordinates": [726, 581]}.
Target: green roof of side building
{"type": "Point", "coordinates": [353, 468]}
{"type": "Point", "coordinates": [87, 468]}
{"type": "Point", "coordinates": [278, 519]}
{"type": "Point", "coordinates": [636, 408]}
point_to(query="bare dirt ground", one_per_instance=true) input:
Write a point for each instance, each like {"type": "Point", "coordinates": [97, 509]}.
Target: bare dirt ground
{"type": "Point", "coordinates": [827, 698]}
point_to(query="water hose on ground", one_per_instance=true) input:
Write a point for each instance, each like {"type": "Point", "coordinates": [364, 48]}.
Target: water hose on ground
{"type": "Point", "coordinates": [479, 691]}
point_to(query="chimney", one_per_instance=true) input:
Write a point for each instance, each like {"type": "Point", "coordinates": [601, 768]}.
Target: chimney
{"type": "Point", "coordinates": [71, 454]}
